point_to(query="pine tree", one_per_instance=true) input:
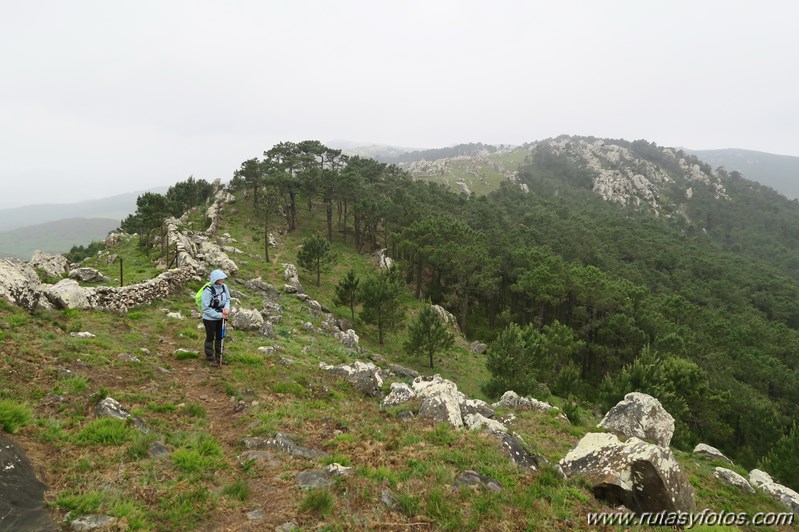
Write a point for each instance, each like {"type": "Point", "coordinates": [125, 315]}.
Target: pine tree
{"type": "Point", "coordinates": [428, 335]}
{"type": "Point", "coordinates": [347, 292]}
{"type": "Point", "coordinates": [315, 255]}
{"type": "Point", "coordinates": [379, 296]}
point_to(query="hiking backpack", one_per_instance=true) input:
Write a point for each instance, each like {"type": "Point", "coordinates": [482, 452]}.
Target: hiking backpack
{"type": "Point", "coordinates": [198, 297]}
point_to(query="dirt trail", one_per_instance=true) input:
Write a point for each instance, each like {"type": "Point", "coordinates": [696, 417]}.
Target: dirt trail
{"type": "Point", "coordinates": [203, 384]}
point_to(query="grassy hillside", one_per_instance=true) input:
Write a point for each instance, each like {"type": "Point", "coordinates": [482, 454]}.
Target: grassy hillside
{"type": "Point", "coordinates": [54, 237]}
{"type": "Point", "coordinates": [202, 414]}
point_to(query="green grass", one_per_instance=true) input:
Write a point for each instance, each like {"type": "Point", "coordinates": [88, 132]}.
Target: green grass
{"type": "Point", "coordinates": [14, 415]}
{"type": "Point", "coordinates": [238, 490]}
{"type": "Point", "coordinates": [319, 502]}
{"type": "Point", "coordinates": [105, 431]}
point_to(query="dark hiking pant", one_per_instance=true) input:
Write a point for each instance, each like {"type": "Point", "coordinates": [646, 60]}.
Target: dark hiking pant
{"type": "Point", "coordinates": [213, 339]}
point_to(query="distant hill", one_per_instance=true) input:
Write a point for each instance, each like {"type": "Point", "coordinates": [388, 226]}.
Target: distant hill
{"type": "Point", "coordinates": [54, 237]}
{"type": "Point", "coordinates": [114, 207]}
{"type": "Point", "coordinates": [780, 172]}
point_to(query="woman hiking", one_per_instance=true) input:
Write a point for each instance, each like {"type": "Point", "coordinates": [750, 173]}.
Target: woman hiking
{"type": "Point", "coordinates": [215, 309]}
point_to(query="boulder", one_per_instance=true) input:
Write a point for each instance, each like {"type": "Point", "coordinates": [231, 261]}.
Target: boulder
{"type": "Point", "coordinates": [88, 275]}
{"type": "Point", "coordinates": [641, 416]}
{"type": "Point", "coordinates": [98, 522]}
{"type": "Point", "coordinates": [446, 316]}
{"type": "Point", "coordinates": [400, 393]}
{"type": "Point", "coordinates": [20, 285]}
{"type": "Point", "coordinates": [478, 422]}
{"type": "Point", "coordinates": [478, 347]}
{"type": "Point", "coordinates": [285, 444]}
{"type": "Point", "coordinates": [67, 293]}
{"type": "Point", "coordinates": [348, 338]}
{"type": "Point", "coordinates": [732, 478]}
{"type": "Point", "coordinates": [440, 400]}
{"type": "Point", "coordinates": [293, 285]}
{"type": "Point", "coordinates": [511, 399]}
{"type": "Point", "coordinates": [245, 319]}
{"type": "Point", "coordinates": [513, 446]}
{"type": "Point", "coordinates": [763, 481]}
{"type": "Point", "coordinates": [476, 406]}
{"type": "Point", "coordinates": [110, 407]}
{"type": "Point", "coordinates": [313, 479]}
{"type": "Point", "coordinates": [364, 376]}
{"type": "Point", "coordinates": [214, 257]}
{"type": "Point", "coordinates": [703, 449]}
{"type": "Point", "coordinates": [22, 505]}
{"type": "Point", "coordinates": [51, 265]}
{"type": "Point", "coordinates": [639, 475]}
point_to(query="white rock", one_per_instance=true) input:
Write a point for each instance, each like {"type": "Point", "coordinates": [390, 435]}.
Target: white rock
{"type": "Point", "coordinates": [642, 416]}
{"type": "Point", "coordinates": [477, 422]}
{"type": "Point", "coordinates": [732, 478]}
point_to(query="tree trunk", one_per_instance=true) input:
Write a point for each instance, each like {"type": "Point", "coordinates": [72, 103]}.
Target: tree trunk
{"type": "Point", "coordinates": [329, 207]}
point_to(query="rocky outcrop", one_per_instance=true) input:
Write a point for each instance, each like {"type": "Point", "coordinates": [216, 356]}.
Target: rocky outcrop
{"type": "Point", "coordinates": [641, 476]}
{"type": "Point", "coordinates": [20, 285]}
{"type": "Point", "coordinates": [480, 422]}
{"type": "Point", "coordinates": [285, 444]}
{"type": "Point", "coordinates": [513, 447]}
{"type": "Point", "coordinates": [348, 338]}
{"type": "Point", "coordinates": [52, 265]}
{"type": "Point", "coordinates": [732, 478]}
{"type": "Point", "coordinates": [440, 400]}
{"type": "Point", "coordinates": [400, 393]}
{"type": "Point", "coordinates": [511, 399]}
{"type": "Point", "coordinates": [473, 479]}
{"type": "Point", "coordinates": [22, 504]}
{"type": "Point", "coordinates": [447, 317]}
{"type": "Point", "coordinates": [364, 376]}
{"type": "Point", "coordinates": [763, 481]}
{"type": "Point", "coordinates": [292, 285]}
{"type": "Point", "coordinates": [642, 416]}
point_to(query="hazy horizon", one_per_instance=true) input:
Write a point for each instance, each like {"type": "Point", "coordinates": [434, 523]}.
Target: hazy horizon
{"type": "Point", "coordinates": [106, 98]}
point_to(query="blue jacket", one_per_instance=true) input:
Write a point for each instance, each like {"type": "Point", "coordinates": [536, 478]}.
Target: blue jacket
{"type": "Point", "coordinates": [220, 292]}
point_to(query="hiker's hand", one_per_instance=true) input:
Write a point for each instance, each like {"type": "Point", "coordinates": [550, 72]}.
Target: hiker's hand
{"type": "Point", "coordinates": [225, 312]}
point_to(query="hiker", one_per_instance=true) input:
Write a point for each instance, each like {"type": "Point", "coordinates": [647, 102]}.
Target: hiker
{"type": "Point", "coordinates": [215, 308]}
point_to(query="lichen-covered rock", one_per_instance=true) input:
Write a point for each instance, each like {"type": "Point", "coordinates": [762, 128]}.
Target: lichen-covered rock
{"type": "Point", "coordinates": [733, 479]}
{"type": "Point", "coordinates": [51, 265]}
{"type": "Point", "coordinates": [642, 476]}
{"type": "Point", "coordinates": [67, 293]}
{"type": "Point", "coordinates": [479, 422]}
{"type": "Point", "coordinates": [446, 316]}
{"type": "Point", "coordinates": [400, 393]}
{"type": "Point", "coordinates": [213, 255]}
{"type": "Point", "coordinates": [476, 406]}
{"type": "Point", "coordinates": [641, 416]}
{"type": "Point", "coordinates": [348, 338]}
{"type": "Point", "coordinates": [763, 481]}
{"type": "Point", "coordinates": [473, 479]}
{"type": "Point", "coordinates": [703, 449]}
{"type": "Point", "coordinates": [364, 376]}
{"type": "Point", "coordinates": [513, 446]}
{"type": "Point", "coordinates": [22, 505]}
{"type": "Point", "coordinates": [285, 444]}
{"type": "Point", "coordinates": [245, 319]}
{"type": "Point", "coordinates": [440, 400]}
{"type": "Point", "coordinates": [88, 275]}
{"type": "Point", "coordinates": [511, 399]}
{"type": "Point", "coordinates": [478, 347]}
{"type": "Point", "coordinates": [20, 285]}
{"type": "Point", "coordinates": [110, 407]}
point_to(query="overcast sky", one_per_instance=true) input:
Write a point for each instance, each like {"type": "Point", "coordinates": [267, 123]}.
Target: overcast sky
{"type": "Point", "coordinates": [105, 97]}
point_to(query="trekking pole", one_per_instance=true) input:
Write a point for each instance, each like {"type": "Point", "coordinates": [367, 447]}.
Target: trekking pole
{"type": "Point", "coordinates": [222, 345]}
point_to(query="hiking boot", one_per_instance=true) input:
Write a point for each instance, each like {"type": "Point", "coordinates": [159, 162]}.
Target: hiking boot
{"type": "Point", "coordinates": [224, 362]}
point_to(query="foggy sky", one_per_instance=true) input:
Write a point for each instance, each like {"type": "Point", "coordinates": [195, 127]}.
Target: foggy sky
{"type": "Point", "coordinates": [99, 98]}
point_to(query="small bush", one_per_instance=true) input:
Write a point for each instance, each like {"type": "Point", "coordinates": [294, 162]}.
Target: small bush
{"type": "Point", "coordinates": [319, 502]}
{"type": "Point", "coordinates": [105, 431]}
{"type": "Point", "coordinates": [14, 416]}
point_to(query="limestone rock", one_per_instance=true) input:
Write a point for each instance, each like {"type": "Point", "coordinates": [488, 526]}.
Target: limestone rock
{"type": "Point", "coordinates": [763, 481]}
{"type": "Point", "coordinates": [400, 393]}
{"type": "Point", "coordinates": [711, 452]}
{"type": "Point", "coordinates": [733, 479]}
{"type": "Point", "coordinates": [511, 399]}
{"type": "Point", "coordinates": [245, 319]}
{"type": "Point", "coordinates": [446, 316]}
{"type": "Point", "coordinates": [476, 406]}
{"type": "Point", "coordinates": [285, 444]}
{"type": "Point", "coordinates": [473, 479]}
{"type": "Point", "coordinates": [642, 476]}
{"type": "Point", "coordinates": [348, 338]}
{"type": "Point", "coordinates": [94, 522]}
{"type": "Point", "coordinates": [20, 285]}
{"type": "Point", "coordinates": [88, 275]}
{"type": "Point", "coordinates": [364, 376]}
{"type": "Point", "coordinates": [513, 446]}
{"type": "Point", "coordinates": [313, 479]}
{"type": "Point", "coordinates": [440, 400]}
{"type": "Point", "coordinates": [67, 293]}
{"type": "Point", "coordinates": [642, 416]}
{"type": "Point", "coordinates": [478, 347]}
{"type": "Point", "coordinates": [51, 265]}
{"type": "Point", "coordinates": [478, 422]}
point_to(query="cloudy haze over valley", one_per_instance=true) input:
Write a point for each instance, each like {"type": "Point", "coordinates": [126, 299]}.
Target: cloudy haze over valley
{"type": "Point", "coordinates": [100, 98]}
